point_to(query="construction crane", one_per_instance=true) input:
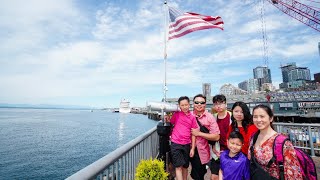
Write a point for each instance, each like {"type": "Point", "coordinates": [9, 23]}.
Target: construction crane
{"type": "Point", "coordinates": [301, 12]}
{"type": "Point", "coordinates": [264, 35]}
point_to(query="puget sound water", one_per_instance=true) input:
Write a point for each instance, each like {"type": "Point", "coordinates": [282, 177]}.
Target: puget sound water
{"type": "Point", "coordinates": [55, 143]}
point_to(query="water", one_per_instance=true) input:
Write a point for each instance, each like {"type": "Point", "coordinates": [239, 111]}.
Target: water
{"type": "Point", "coordinates": [54, 144]}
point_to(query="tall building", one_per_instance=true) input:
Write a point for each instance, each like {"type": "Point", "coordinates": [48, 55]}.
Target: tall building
{"type": "Point", "coordinates": [253, 86]}
{"type": "Point", "coordinates": [285, 71]}
{"type": "Point", "coordinates": [317, 77]}
{"type": "Point", "coordinates": [243, 85]}
{"type": "Point", "coordinates": [262, 74]}
{"type": "Point", "coordinates": [294, 77]}
{"type": "Point", "coordinates": [299, 73]}
{"type": "Point", "coordinates": [206, 89]}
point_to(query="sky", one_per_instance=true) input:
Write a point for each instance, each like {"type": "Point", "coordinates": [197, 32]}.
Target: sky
{"type": "Point", "coordinates": [94, 53]}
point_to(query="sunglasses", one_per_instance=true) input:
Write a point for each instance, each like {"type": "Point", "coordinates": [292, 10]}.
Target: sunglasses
{"type": "Point", "coordinates": [198, 102]}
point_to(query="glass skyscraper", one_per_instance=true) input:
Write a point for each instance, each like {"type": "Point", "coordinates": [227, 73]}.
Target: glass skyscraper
{"type": "Point", "coordinates": [285, 71]}
{"type": "Point", "coordinates": [262, 74]}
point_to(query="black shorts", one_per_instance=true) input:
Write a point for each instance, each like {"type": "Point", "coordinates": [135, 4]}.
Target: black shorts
{"type": "Point", "coordinates": [198, 169]}
{"type": "Point", "coordinates": [214, 166]}
{"type": "Point", "coordinates": [180, 155]}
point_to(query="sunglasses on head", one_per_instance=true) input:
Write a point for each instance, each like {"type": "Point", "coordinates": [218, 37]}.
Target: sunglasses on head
{"type": "Point", "coordinates": [199, 102]}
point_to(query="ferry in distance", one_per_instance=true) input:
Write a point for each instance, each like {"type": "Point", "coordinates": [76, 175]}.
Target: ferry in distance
{"type": "Point", "coordinates": [124, 106]}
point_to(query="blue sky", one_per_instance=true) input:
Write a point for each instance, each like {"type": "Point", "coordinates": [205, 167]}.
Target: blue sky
{"type": "Point", "coordinates": [94, 53]}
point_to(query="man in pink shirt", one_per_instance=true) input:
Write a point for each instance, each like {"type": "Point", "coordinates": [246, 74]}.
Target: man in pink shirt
{"type": "Point", "coordinates": [202, 151]}
{"type": "Point", "coordinates": [182, 139]}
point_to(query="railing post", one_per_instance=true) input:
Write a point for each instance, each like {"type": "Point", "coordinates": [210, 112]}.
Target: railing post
{"type": "Point", "coordinates": [311, 141]}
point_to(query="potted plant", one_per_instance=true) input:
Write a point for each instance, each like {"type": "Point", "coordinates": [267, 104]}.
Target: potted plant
{"type": "Point", "coordinates": [152, 169]}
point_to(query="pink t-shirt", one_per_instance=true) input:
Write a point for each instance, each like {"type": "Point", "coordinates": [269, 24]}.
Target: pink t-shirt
{"type": "Point", "coordinates": [181, 133]}
{"type": "Point", "coordinates": [207, 120]}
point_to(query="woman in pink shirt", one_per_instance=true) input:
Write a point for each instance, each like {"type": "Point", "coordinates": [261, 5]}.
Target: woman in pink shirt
{"type": "Point", "coordinates": [181, 138]}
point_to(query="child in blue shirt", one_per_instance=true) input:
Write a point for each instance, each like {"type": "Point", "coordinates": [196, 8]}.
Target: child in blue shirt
{"type": "Point", "coordinates": [234, 165]}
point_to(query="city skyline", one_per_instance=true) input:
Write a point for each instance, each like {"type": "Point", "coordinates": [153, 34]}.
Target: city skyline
{"type": "Point", "coordinates": [262, 74]}
{"type": "Point", "coordinates": [95, 53]}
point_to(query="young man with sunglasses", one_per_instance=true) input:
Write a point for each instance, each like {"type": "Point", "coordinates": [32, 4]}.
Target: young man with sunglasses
{"type": "Point", "coordinates": [202, 151]}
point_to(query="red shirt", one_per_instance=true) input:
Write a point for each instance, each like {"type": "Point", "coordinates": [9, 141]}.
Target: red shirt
{"type": "Point", "coordinates": [224, 126]}
{"type": "Point", "coordinates": [251, 129]}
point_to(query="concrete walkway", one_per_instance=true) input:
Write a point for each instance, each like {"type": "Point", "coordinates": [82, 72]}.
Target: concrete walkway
{"type": "Point", "coordinates": [316, 160]}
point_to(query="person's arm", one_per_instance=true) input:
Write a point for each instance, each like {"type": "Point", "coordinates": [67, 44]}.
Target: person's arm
{"type": "Point", "coordinates": [220, 175]}
{"type": "Point", "coordinates": [214, 132]}
{"type": "Point", "coordinates": [208, 136]}
{"type": "Point", "coordinates": [193, 145]}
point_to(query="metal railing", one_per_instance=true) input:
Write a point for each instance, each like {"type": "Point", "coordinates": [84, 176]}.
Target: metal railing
{"type": "Point", "coordinates": [121, 163]}
{"type": "Point", "coordinates": [303, 136]}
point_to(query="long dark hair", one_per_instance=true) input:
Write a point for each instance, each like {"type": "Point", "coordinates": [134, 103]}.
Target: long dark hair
{"type": "Point", "coordinates": [247, 118]}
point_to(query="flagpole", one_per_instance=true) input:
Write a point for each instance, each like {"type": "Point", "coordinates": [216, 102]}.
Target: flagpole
{"type": "Point", "coordinates": [165, 89]}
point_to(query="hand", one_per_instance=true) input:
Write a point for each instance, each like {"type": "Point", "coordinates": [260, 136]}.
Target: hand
{"type": "Point", "coordinates": [195, 132]}
{"type": "Point", "coordinates": [191, 152]}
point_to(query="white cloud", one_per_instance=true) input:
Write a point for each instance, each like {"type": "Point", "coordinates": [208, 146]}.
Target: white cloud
{"type": "Point", "coordinates": [69, 52]}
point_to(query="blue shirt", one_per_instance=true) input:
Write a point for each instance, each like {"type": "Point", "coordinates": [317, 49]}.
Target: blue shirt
{"type": "Point", "coordinates": [234, 168]}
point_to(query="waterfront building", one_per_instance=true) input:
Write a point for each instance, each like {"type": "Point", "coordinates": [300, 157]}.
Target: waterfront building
{"type": "Point", "coordinates": [306, 103]}
{"type": "Point", "coordinates": [206, 89]}
{"type": "Point", "coordinates": [285, 71]}
{"type": "Point", "coordinates": [296, 78]}
{"type": "Point", "coordinates": [262, 74]}
{"type": "Point", "coordinates": [229, 89]}
{"type": "Point", "coordinates": [253, 86]}
{"type": "Point", "coordinates": [299, 73]}
{"type": "Point", "coordinates": [317, 77]}
{"type": "Point", "coordinates": [243, 85]}
{"type": "Point", "coordinates": [267, 87]}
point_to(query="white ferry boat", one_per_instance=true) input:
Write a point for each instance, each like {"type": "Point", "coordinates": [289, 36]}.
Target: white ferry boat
{"type": "Point", "coordinates": [124, 106]}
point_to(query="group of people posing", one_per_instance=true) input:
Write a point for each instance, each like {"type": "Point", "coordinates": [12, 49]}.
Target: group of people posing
{"type": "Point", "coordinates": [221, 141]}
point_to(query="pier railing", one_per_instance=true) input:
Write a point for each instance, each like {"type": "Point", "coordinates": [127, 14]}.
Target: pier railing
{"type": "Point", "coordinates": [122, 162]}
{"type": "Point", "coordinates": [303, 136]}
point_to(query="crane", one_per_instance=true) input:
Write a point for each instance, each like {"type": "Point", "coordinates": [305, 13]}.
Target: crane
{"type": "Point", "coordinates": [299, 11]}
{"type": "Point", "coordinates": [264, 34]}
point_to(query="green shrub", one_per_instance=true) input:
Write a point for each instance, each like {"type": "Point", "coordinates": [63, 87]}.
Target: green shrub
{"type": "Point", "coordinates": [152, 169]}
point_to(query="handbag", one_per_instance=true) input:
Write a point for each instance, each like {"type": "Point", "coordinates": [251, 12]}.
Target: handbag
{"type": "Point", "coordinates": [256, 171]}
{"type": "Point", "coordinates": [205, 130]}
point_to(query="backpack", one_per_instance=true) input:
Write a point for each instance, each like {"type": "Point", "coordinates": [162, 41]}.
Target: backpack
{"type": "Point", "coordinates": [307, 166]}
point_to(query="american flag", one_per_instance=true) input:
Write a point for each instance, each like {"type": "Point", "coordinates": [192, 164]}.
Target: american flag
{"type": "Point", "coordinates": [184, 23]}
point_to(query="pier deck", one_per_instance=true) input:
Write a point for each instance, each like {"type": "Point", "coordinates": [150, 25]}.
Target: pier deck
{"type": "Point", "coordinates": [316, 160]}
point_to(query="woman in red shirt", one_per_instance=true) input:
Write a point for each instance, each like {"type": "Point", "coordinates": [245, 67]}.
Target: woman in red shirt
{"type": "Point", "coordinates": [242, 122]}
